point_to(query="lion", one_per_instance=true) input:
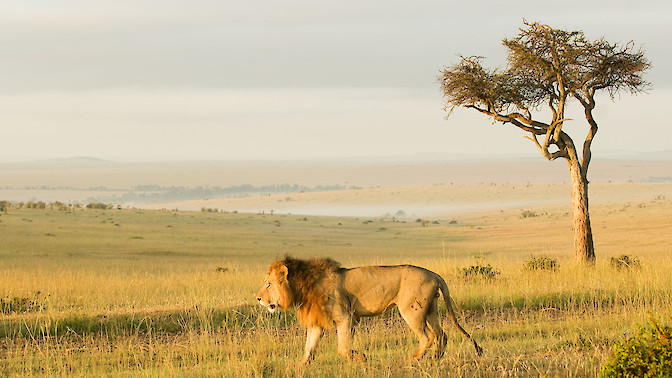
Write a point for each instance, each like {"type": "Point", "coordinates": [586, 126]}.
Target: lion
{"type": "Point", "coordinates": [325, 294]}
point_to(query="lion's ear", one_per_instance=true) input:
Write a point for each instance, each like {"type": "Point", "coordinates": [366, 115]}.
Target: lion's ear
{"type": "Point", "coordinates": [282, 271]}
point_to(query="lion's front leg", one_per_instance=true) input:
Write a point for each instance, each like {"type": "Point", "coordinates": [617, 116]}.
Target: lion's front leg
{"type": "Point", "coordinates": [313, 335]}
{"type": "Point", "coordinates": [344, 331]}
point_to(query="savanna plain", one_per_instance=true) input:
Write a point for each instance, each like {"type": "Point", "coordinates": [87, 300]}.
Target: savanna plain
{"type": "Point", "coordinates": [168, 292]}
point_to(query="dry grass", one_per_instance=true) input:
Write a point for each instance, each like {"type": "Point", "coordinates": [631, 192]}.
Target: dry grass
{"type": "Point", "coordinates": [172, 293]}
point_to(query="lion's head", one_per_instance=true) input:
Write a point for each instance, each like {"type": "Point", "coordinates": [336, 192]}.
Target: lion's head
{"type": "Point", "coordinates": [276, 290]}
{"type": "Point", "coordinates": [302, 284]}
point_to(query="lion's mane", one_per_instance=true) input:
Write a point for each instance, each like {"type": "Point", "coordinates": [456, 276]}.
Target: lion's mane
{"type": "Point", "coordinates": [312, 282]}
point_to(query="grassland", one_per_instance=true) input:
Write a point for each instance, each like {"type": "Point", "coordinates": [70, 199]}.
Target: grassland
{"type": "Point", "coordinates": [149, 292]}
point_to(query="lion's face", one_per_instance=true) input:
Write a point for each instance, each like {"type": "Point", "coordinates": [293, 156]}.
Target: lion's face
{"type": "Point", "coordinates": [275, 291]}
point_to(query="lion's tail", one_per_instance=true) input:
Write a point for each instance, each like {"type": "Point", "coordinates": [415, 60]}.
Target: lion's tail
{"type": "Point", "coordinates": [451, 313]}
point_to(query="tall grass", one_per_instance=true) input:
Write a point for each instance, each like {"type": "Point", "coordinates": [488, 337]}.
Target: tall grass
{"type": "Point", "coordinates": [529, 323]}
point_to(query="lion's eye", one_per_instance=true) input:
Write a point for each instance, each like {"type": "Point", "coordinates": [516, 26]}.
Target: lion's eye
{"type": "Point", "coordinates": [268, 286]}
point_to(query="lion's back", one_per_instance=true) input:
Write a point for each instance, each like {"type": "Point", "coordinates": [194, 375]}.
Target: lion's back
{"type": "Point", "coordinates": [375, 288]}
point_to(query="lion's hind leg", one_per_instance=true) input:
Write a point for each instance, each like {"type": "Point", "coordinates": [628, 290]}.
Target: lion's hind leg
{"type": "Point", "coordinates": [435, 326]}
{"type": "Point", "coordinates": [416, 318]}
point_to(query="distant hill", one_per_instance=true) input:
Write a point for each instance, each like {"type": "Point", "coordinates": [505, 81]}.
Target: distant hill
{"type": "Point", "coordinates": [70, 162]}
{"type": "Point", "coordinates": [531, 155]}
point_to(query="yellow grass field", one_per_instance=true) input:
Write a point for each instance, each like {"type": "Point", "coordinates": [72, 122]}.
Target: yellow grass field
{"type": "Point", "coordinates": [137, 292]}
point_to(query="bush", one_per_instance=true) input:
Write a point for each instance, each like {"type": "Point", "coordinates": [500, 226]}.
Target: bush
{"type": "Point", "coordinates": [647, 354]}
{"type": "Point", "coordinates": [528, 214]}
{"type": "Point", "coordinates": [36, 205]}
{"type": "Point", "coordinates": [60, 206]}
{"type": "Point", "coordinates": [542, 263]}
{"type": "Point", "coordinates": [478, 271]}
{"type": "Point", "coordinates": [625, 262]}
{"type": "Point", "coordinates": [98, 205]}
{"type": "Point", "coordinates": [423, 222]}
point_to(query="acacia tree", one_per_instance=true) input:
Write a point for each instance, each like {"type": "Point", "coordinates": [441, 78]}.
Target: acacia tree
{"type": "Point", "coordinates": [550, 68]}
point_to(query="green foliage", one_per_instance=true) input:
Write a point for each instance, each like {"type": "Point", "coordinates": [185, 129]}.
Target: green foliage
{"type": "Point", "coordinates": [625, 262]}
{"type": "Point", "coordinates": [480, 272]}
{"type": "Point", "coordinates": [542, 263]}
{"type": "Point", "coordinates": [646, 354]}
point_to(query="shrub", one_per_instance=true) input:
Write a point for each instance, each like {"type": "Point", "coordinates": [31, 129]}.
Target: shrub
{"type": "Point", "coordinates": [478, 271]}
{"type": "Point", "coordinates": [423, 222]}
{"type": "Point", "coordinates": [646, 354]}
{"type": "Point", "coordinates": [98, 205]}
{"type": "Point", "coordinates": [36, 205]}
{"type": "Point", "coordinates": [542, 263]}
{"type": "Point", "coordinates": [528, 214]}
{"type": "Point", "coordinates": [625, 262]}
{"type": "Point", "coordinates": [60, 206]}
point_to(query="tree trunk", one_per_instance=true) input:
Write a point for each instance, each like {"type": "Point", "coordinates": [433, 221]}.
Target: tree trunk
{"type": "Point", "coordinates": [583, 234]}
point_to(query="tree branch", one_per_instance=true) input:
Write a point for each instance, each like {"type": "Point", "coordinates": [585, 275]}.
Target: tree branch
{"type": "Point", "coordinates": [587, 154]}
{"type": "Point", "coordinates": [544, 149]}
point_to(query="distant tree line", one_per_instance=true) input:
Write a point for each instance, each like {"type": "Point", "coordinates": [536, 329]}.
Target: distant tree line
{"type": "Point", "coordinates": [156, 193]}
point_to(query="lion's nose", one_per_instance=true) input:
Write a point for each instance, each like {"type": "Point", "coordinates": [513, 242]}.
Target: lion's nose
{"type": "Point", "coordinates": [272, 306]}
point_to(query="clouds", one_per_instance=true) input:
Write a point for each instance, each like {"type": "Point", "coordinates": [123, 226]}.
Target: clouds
{"type": "Point", "coordinates": [74, 45]}
{"type": "Point", "coordinates": [82, 45]}
{"type": "Point", "coordinates": [227, 124]}
{"type": "Point", "coordinates": [266, 78]}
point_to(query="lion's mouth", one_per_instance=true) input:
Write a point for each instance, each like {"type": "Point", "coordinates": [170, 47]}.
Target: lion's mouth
{"type": "Point", "coordinates": [270, 306]}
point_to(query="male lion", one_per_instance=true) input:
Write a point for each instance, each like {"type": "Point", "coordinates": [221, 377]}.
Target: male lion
{"type": "Point", "coordinates": [325, 294]}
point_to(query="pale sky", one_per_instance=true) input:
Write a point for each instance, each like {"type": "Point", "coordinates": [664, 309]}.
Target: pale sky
{"type": "Point", "coordinates": [293, 79]}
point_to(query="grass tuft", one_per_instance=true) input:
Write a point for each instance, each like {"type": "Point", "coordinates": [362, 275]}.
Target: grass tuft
{"type": "Point", "coordinates": [541, 263]}
{"type": "Point", "coordinates": [625, 262]}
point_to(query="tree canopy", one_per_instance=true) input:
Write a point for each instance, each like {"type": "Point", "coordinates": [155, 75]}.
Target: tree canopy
{"type": "Point", "coordinates": [549, 67]}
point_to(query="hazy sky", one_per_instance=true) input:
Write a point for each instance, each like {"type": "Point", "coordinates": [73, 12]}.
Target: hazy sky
{"type": "Point", "coordinates": [292, 79]}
